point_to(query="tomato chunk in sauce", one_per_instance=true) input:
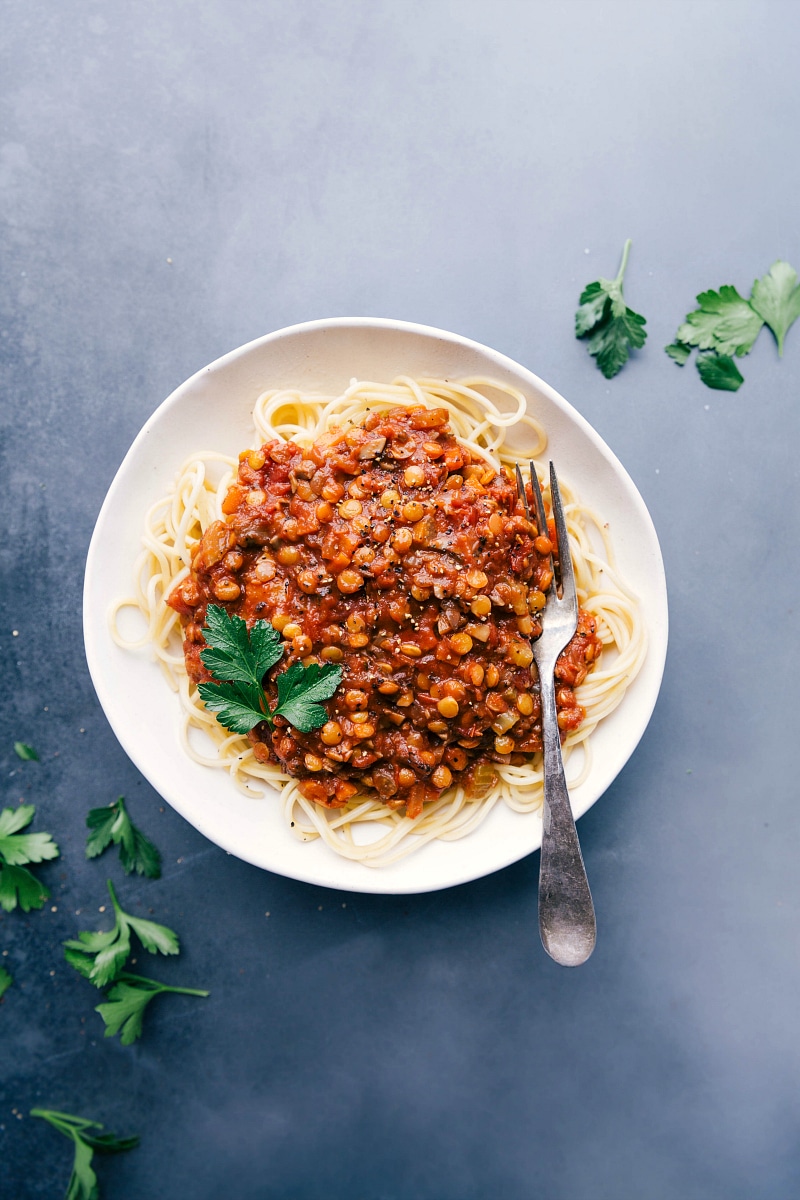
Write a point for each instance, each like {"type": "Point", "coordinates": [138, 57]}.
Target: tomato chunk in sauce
{"type": "Point", "coordinates": [402, 555]}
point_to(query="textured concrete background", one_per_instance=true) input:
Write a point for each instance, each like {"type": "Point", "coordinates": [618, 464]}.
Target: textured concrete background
{"type": "Point", "coordinates": [471, 166]}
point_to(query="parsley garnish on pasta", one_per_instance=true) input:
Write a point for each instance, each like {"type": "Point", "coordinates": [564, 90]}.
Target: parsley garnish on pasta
{"type": "Point", "coordinates": [238, 659]}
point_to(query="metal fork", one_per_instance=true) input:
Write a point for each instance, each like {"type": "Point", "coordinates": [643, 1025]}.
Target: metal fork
{"type": "Point", "coordinates": [566, 913]}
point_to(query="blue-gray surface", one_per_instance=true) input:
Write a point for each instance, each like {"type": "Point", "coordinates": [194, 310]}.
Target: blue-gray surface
{"type": "Point", "coordinates": [178, 178]}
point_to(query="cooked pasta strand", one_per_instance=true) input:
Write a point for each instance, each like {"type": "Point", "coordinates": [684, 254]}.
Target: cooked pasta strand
{"type": "Point", "coordinates": [366, 830]}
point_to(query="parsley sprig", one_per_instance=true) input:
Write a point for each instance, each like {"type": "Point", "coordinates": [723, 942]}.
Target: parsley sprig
{"type": "Point", "coordinates": [239, 659]}
{"type": "Point", "coordinates": [100, 956]}
{"type": "Point", "coordinates": [83, 1183]}
{"type": "Point", "coordinates": [725, 324]}
{"type": "Point", "coordinates": [113, 824]}
{"type": "Point", "coordinates": [125, 1005]}
{"type": "Point", "coordinates": [615, 329]}
{"type": "Point", "coordinates": [18, 885]}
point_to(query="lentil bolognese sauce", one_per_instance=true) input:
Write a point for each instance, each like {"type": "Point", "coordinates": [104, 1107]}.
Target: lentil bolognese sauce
{"type": "Point", "coordinates": [408, 559]}
{"type": "Point", "coordinates": [382, 531]}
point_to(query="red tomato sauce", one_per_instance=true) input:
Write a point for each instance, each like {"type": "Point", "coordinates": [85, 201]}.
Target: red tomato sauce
{"type": "Point", "coordinates": [402, 555]}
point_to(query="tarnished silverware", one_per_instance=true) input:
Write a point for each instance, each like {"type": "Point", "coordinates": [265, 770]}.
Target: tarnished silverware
{"type": "Point", "coordinates": [566, 913]}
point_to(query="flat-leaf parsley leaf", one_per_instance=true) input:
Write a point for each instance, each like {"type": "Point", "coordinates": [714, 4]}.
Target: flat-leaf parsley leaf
{"type": "Point", "coordinates": [113, 824]}
{"type": "Point", "coordinates": [724, 322]}
{"type": "Point", "coordinates": [100, 956]}
{"type": "Point", "coordinates": [679, 353]}
{"type": "Point", "coordinates": [235, 654]}
{"type": "Point", "coordinates": [17, 884]}
{"type": "Point", "coordinates": [299, 691]}
{"type": "Point", "coordinates": [25, 752]}
{"type": "Point", "coordinates": [776, 298]}
{"type": "Point", "coordinates": [719, 371]}
{"type": "Point", "coordinates": [615, 329]}
{"type": "Point", "coordinates": [83, 1183]}
{"type": "Point", "coordinates": [239, 658]}
{"type": "Point", "coordinates": [125, 1005]}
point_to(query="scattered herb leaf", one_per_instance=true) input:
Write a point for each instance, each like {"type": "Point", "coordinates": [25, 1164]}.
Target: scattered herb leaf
{"type": "Point", "coordinates": [83, 1183]}
{"type": "Point", "coordinates": [100, 956]}
{"type": "Point", "coordinates": [126, 1002]}
{"type": "Point", "coordinates": [679, 353]}
{"type": "Point", "coordinates": [18, 886]}
{"type": "Point", "coordinates": [113, 824]}
{"type": "Point", "coordinates": [719, 371]}
{"type": "Point", "coordinates": [17, 848]}
{"type": "Point", "coordinates": [724, 322]}
{"type": "Point", "coordinates": [239, 659]}
{"type": "Point", "coordinates": [6, 980]}
{"type": "Point", "coordinates": [776, 298]}
{"type": "Point", "coordinates": [615, 329]}
{"type": "Point", "coordinates": [25, 752]}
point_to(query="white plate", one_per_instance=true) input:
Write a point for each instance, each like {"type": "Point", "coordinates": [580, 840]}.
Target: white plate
{"type": "Point", "coordinates": [212, 410]}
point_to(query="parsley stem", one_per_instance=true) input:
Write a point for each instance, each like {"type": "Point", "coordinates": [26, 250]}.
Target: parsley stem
{"type": "Point", "coordinates": [66, 1123]}
{"type": "Point", "coordinates": [128, 977]}
{"type": "Point", "coordinates": [113, 895]}
{"type": "Point", "coordinates": [626, 249]}
{"type": "Point", "coordinates": [59, 1118]}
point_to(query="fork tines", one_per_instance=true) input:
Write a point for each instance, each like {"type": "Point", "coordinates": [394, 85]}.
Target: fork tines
{"type": "Point", "coordinates": [566, 573]}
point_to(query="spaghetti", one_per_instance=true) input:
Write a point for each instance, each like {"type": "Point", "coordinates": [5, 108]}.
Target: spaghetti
{"type": "Point", "coordinates": [384, 824]}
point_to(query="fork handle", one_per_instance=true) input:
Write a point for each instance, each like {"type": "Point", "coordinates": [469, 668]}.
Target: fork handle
{"type": "Point", "coordinates": [566, 913]}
